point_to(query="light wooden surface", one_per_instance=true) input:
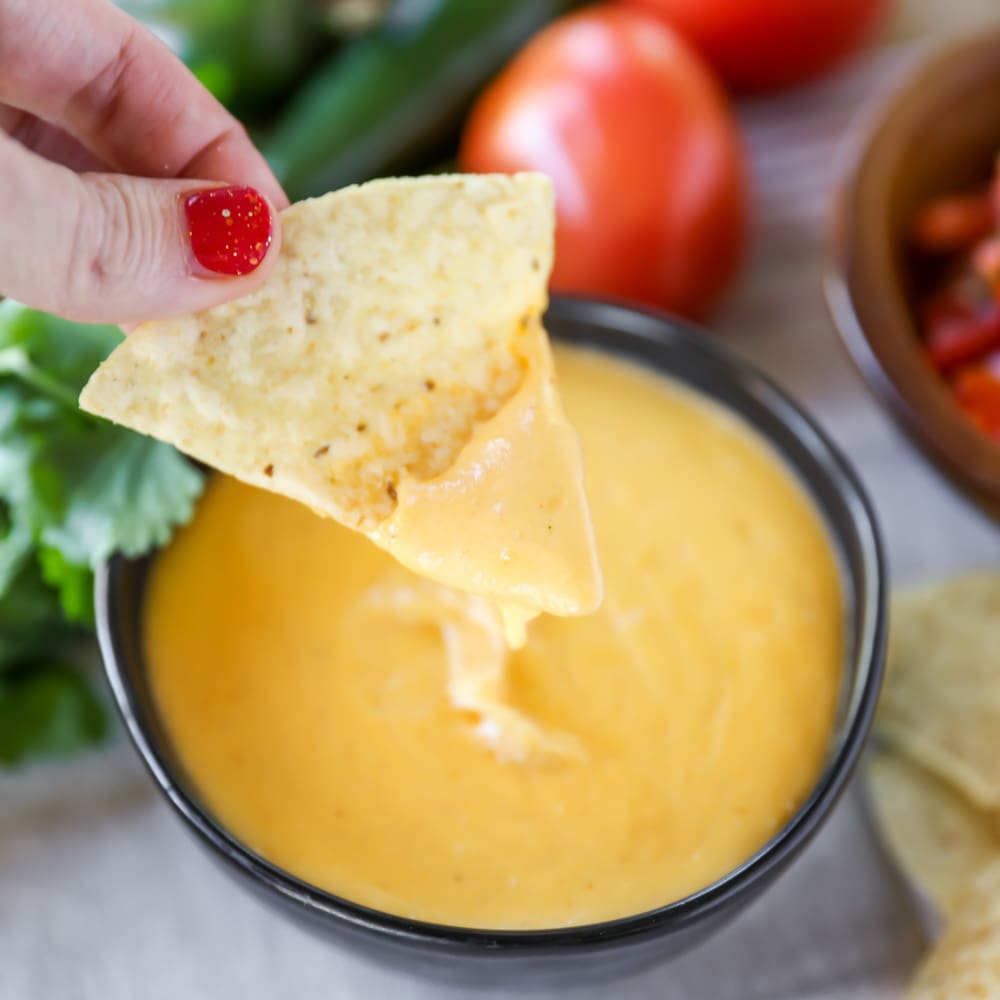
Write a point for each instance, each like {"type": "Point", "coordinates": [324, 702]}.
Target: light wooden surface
{"type": "Point", "coordinates": [104, 897]}
{"type": "Point", "coordinates": [915, 19]}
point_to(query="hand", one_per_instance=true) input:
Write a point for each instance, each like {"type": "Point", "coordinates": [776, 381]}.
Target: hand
{"type": "Point", "coordinates": [127, 192]}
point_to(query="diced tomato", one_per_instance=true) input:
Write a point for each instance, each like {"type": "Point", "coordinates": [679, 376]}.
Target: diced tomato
{"type": "Point", "coordinates": [954, 222]}
{"type": "Point", "coordinates": [986, 261]}
{"type": "Point", "coordinates": [977, 389]}
{"type": "Point", "coordinates": [956, 333]}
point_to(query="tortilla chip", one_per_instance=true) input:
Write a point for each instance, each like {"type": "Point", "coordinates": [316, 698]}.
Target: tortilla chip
{"type": "Point", "coordinates": [939, 839]}
{"type": "Point", "coordinates": [941, 702]}
{"type": "Point", "coordinates": [965, 964]}
{"type": "Point", "coordinates": [402, 317]}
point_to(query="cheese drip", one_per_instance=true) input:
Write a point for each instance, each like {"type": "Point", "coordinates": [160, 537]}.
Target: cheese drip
{"type": "Point", "coordinates": [476, 637]}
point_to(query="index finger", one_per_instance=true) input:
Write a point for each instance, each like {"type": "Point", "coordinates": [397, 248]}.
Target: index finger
{"type": "Point", "coordinates": [89, 68]}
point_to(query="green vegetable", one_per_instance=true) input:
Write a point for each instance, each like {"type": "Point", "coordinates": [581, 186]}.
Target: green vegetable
{"type": "Point", "coordinates": [398, 91]}
{"type": "Point", "coordinates": [249, 53]}
{"type": "Point", "coordinates": [47, 710]}
{"type": "Point", "coordinates": [31, 619]}
{"type": "Point", "coordinates": [73, 490]}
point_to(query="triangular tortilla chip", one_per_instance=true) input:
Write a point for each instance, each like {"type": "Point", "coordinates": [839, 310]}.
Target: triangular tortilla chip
{"type": "Point", "coordinates": [965, 963]}
{"type": "Point", "coordinates": [940, 704]}
{"type": "Point", "coordinates": [393, 374]}
{"type": "Point", "coordinates": [941, 841]}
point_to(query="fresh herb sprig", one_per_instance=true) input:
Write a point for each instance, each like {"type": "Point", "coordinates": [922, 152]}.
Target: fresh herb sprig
{"type": "Point", "coordinates": [73, 490]}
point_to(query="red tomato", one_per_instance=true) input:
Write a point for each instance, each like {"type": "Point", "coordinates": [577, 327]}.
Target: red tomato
{"type": "Point", "coordinates": [641, 148]}
{"type": "Point", "coordinates": [954, 222]}
{"type": "Point", "coordinates": [977, 390]}
{"type": "Point", "coordinates": [764, 44]}
{"type": "Point", "coordinates": [956, 333]}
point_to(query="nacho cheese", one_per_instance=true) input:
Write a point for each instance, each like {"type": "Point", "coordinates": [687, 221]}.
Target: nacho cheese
{"type": "Point", "coordinates": [306, 680]}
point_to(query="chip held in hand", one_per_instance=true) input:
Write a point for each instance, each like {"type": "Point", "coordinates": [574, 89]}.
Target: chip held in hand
{"type": "Point", "coordinates": [392, 373]}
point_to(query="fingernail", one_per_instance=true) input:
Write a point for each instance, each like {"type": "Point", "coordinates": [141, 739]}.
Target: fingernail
{"type": "Point", "coordinates": [229, 229]}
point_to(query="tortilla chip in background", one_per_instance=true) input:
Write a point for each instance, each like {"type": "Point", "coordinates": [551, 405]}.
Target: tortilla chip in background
{"type": "Point", "coordinates": [401, 316]}
{"type": "Point", "coordinates": [965, 963]}
{"type": "Point", "coordinates": [939, 839]}
{"type": "Point", "coordinates": [940, 704]}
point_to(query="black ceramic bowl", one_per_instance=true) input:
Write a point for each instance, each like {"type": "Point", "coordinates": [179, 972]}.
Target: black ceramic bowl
{"type": "Point", "coordinates": [618, 946]}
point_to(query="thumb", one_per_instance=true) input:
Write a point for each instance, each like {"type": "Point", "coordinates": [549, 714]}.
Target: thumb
{"type": "Point", "coordinates": [105, 248]}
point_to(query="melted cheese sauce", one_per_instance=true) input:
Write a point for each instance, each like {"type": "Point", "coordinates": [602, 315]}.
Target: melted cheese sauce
{"type": "Point", "coordinates": [318, 722]}
{"type": "Point", "coordinates": [517, 488]}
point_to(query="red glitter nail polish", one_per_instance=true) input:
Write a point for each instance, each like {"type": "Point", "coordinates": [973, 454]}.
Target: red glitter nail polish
{"type": "Point", "coordinates": [229, 229]}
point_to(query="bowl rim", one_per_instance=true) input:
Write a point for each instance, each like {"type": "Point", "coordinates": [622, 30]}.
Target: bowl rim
{"type": "Point", "coordinates": [915, 396]}
{"type": "Point", "coordinates": [847, 743]}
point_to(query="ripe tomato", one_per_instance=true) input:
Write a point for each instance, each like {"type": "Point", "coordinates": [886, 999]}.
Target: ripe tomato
{"type": "Point", "coordinates": [977, 389]}
{"type": "Point", "coordinates": [765, 44]}
{"type": "Point", "coordinates": [638, 140]}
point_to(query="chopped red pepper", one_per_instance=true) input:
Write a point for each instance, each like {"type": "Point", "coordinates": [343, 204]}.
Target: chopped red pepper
{"type": "Point", "coordinates": [956, 333]}
{"type": "Point", "coordinates": [959, 323]}
{"type": "Point", "coordinates": [977, 389]}
{"type": "Point", "coordinates": [986, 260]}
{"type": "Point", "coordinates": [954, 222]}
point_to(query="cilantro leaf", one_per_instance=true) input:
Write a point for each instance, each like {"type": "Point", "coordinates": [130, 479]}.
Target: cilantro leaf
{"type": "Point", "coordinates": [16, 361]}
{"type": "Point", "coordinates": [73, 490]}
{"type": "Point", "coordinates": [31, 619]}
{"type": "Point", "coordinates": [63, 351]}
{"type": "Point", "coordinates": [117, 491]}
{"type": "Point", "coordinates": [47, 710]}
{"type": "Point", "coordinates": [87, 487]}
{"type": "Point", "coordinates": [73, 583]}
{"type": "Point", "coordinates": [15, 544]}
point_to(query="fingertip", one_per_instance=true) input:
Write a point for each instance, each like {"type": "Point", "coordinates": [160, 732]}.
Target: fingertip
{"type": "Point", "coordinates": [277, 197]}
{"type": "Point", "coordinates": [127, 256]}
{"type": "Point", "coordinates": [235, 159]}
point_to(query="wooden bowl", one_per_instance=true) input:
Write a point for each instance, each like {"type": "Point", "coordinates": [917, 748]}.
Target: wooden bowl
{"type": "Point", "coordinates": [937, 134]}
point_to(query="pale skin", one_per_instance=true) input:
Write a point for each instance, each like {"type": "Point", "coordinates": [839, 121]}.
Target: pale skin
{"type": "Point", "coordinates": [102, 132]}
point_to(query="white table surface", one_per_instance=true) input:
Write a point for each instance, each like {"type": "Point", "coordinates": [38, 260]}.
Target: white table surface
{"type": "Point", "coordinates": [103, 895]}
